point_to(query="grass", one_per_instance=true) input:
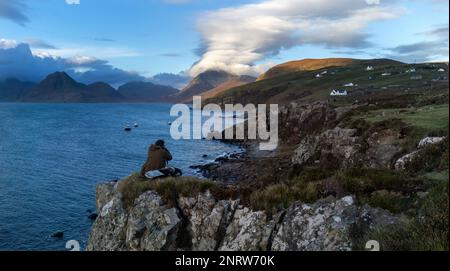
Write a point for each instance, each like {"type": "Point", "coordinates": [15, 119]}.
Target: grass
{"type": "Point", "coordinates": [302, 186]}
{"type": "Point", "coordinates": [364, 181]}
{"type": "Point", "coordinates": [133, 186]}
{"type": "Point", "coordinates": [427, 118]}
{"type": "Point", "coordinates": [426, 232]}
{"type": "Point", "coordinates": [417, 123]}
{"type": "Point", "coordinates": [433, 157]}
{"type": "Point", "coordinates": [394, 202]}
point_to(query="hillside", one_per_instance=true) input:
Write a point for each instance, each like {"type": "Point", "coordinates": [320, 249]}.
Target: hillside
{"type": "Point", "coordinates": [212, 81]}
{"type": "Point", "coordinates": [305, 86]}
{"type": "Point", "coordinates": [145, 92]}
{"type": "Point", "coordinates": [317, 64]}
{"type": "Point", "coordinates": [12, 89]}
{"type": "Point", "coordinates": [234, 82]}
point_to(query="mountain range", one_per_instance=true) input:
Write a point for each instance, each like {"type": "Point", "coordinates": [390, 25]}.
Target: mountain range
{"type": "Point", "coordinates": [59, 87]}
{"type": "Point", "coordinates": [281, 84]}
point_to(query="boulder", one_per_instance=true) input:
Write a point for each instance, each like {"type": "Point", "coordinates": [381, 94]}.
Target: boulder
{"type": "Point", "coordinates": [248, 231]}
{"type": "Point", "coordinates": [429, 140]}
{"type": "Point", "coordinates": [401, 163]}
{"type": "Point", "coordinates": [152, 226]}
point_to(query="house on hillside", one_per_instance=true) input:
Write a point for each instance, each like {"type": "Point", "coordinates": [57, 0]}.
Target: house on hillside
{"type": "Point", "coordinates": [441, 70]}
{"type": "Point", "coordinates": [386, 74]}
{"type": "Point", "coordinates": [350, 85]}
{"type": "Point", "coordinates": [369, 68]}
{"type": "Point", "coordinates": [412, 70]}
{"type": "Point", "coordinates": [318, 75]}
{"type": "Point", "coordinates": [338, 92]}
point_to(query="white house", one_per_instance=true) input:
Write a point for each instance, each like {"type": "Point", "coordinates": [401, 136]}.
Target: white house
{"type": "Point", "coordinates": [411, 70]}
{"type": "Point", "coordinates": [369, 68]}
{"type": "Point", "coordinates": [349, 85]}
{"type": "Point", "coordinates": [324, 72]}
{"type": "Point", "coordinates": [318, 75]}
{"type": "Point", "coordinates": [338, 92]}
{"type": "Point", "coordinates": [441, 70]}
{"type": "Point", "coordinates": [386, 74]}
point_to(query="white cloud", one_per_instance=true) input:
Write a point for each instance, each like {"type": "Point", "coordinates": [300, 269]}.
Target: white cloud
{"type": "Point", "coordinates": [34, 66]}
{"type": "Point", "coordinates": [73, 2]}
{"type": "Point", "coordinates": [234, 39]}
{"type": "Point", "coordinates": [7, 44]}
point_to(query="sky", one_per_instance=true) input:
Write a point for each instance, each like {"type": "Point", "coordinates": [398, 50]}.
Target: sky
{"type": "Point", "coordinates": [168, 41]}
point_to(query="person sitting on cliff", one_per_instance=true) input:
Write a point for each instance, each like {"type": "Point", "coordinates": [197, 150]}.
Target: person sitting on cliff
{"type": "Point", "coordinates": [158, 156]}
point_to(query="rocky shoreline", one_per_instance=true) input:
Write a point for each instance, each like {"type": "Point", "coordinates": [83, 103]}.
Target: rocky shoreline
{"type": "Point", "coordinates": [329, 183]}
{"type": "Point", "coordinates": [206, 224]}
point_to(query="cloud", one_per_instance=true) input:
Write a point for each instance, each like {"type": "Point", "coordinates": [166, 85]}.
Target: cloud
{"type": "Point", "coordinates": [434, 47]}
{"type": "Point", "coordinates": [170, 55]}
{"type": "Point", "coordinates": [234, 39]}
{"type": "Point", "coordinates": [36, 66]}
{"type": "Point", "coordinates": [178, 81]}
{"type": "Point", "coordinates": [73, 2]}
{"type": "Point", "coordinates": [39, 44]}
{"type": "Point", "coordinates": [13, 10]}
{"type": "Point", "coordinates": [104, 39]}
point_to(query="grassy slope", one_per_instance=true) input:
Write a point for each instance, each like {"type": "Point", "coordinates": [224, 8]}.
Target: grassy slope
{"type": "Point", "coordinates": [304, 86]}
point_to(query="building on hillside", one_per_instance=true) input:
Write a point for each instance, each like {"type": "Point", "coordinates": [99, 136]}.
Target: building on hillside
{"type": "Point", "coordinates": [441, 70]}
{"type": "Point", "coordinates": [338, 92]}
{"type": "Point", "coordinates": [412, 70]}
{"type": "Point", "coordinates": [386, 74]}
{"type": "Point", "coordinates": [350, 85]}
{"type": "Point", "coordinates": [369, 68]}
{"type": "Point", "coordinates": [318, 75]}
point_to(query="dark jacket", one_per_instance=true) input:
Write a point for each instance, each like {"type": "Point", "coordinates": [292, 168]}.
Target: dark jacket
{"type": "Point", "coordinates": [157, 159]}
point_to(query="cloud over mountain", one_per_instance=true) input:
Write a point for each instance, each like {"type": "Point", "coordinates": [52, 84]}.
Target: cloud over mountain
{"type": "Point", "coordinates": [34, 67]}
{"type": "Point", "coordinates": [235, 39]}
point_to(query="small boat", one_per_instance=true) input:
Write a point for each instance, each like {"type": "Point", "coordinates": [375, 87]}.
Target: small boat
{"type": "Point", "coordinates": [136, 125]}
{"type": "Point", "coordinates": [127, 129]}
{"type": "Point", "coordinates": [169, 123]}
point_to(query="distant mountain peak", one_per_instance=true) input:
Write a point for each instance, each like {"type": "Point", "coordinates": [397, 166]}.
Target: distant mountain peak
{"type": "Point", "coordinates": [59, 80]}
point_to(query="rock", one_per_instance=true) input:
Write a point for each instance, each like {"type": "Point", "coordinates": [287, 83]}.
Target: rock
{"type": "Point", "coordinates": [108, 230]}
{"type": "Point", "coordinates": [93, 216]}
{"type": "Point", "coordinates": [58, 235]}
{"type": "Point", "coordinates": [401, 163]}
{"type": "Point", "coordinates": [203, 223]}
{"type": "Point", "coordinates": [206, 219]}
{"type": "Point", "coordinates": [104, 193]}
{"type": "Point", "coordinates": [302, 120]}
{"type": "Point", "coordinates": [306, 150]}
{"type": "Point", "coordinates": [324, 225]}
{"type": "Point", "coordinates": [342, 144]}
{"type": "Point", "coordinates": [248, 231]}
{"type": "Point", "coordinates": [327, 225]}
{"type": "Point", "coordinates": [382, 147]}
{"type": "Point", "coordinates": [429, 140]}
{"type": "Point", "coordinates": [151, 225]}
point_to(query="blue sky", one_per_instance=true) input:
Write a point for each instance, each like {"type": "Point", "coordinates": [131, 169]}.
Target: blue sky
{"type": "Point", "coordinates": [148, 37]}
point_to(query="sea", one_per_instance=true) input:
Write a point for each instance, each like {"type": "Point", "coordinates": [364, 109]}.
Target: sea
{"type": "Point", "coordinates": [52, 156]}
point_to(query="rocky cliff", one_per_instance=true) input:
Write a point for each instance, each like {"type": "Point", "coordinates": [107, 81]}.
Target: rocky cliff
{"type": "Point", "coordinates": [202, 222]}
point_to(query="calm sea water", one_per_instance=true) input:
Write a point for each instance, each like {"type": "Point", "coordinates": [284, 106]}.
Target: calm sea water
{"type": "Point", "coordinates": [53, 155]}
